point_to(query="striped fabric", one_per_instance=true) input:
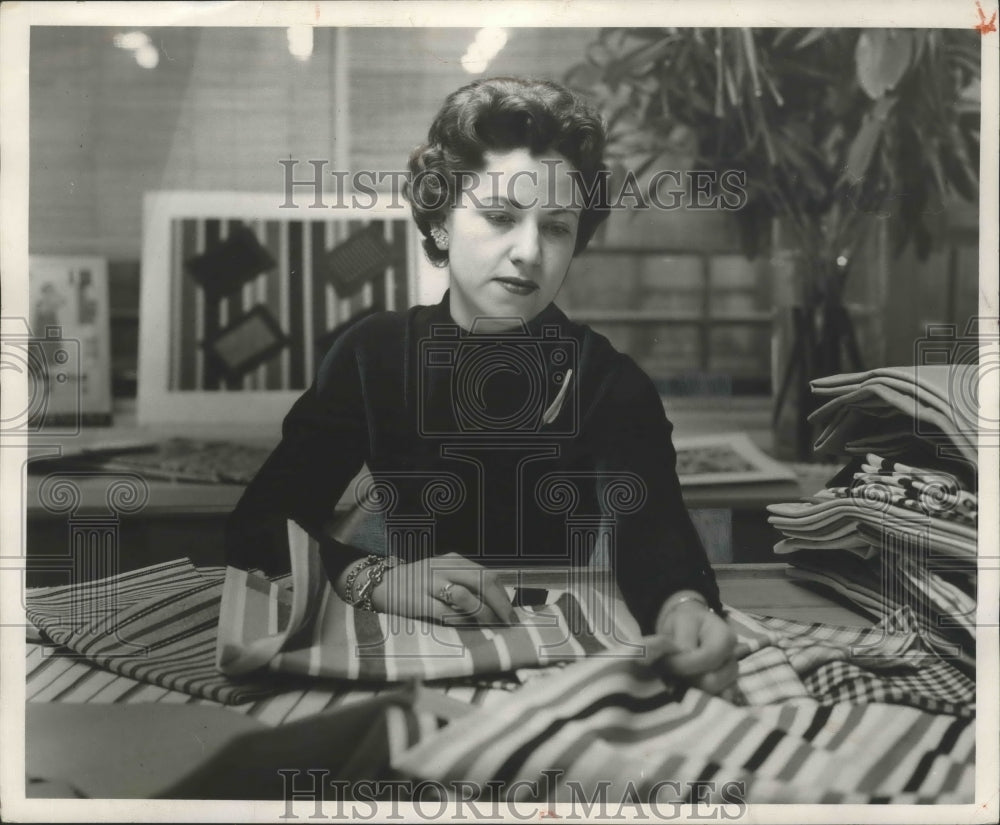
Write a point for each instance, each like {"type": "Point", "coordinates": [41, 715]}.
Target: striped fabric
{"type": "Point", "coordinates": [614, 720]}
{"type": "Point", "coordinates": [302, 627]}
{"type": "Point", "coordinates": [160, 626]}
{"type": "Point", "coordinates": [156, 625]}
{"type": "Point", "coordinates": [56, 675]}
{"type": "Point", "coordinates": [868, 587]}
{"type": "Point", "coordinates": [776, 655]}
{"type": "Point", "coordinates": [908, 563]}
{"type": "Point", "coordinates": [786, 730]}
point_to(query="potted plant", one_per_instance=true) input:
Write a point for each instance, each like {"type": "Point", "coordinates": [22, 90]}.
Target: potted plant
{"type": "Point", "coordinates": [836, 130]}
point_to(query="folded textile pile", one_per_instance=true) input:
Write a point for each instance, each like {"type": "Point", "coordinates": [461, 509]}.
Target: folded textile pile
{"type": "Point", "coordinates": [927, 412]}
{"type": "Point", "coordinates": [886, 534]}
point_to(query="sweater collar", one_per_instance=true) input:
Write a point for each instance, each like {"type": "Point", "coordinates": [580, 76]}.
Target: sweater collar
{"type": "Point", "coordinates": [441, 315]}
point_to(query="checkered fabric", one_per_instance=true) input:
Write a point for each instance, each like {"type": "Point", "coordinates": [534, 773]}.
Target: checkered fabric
{"type": "Point", "coordinates": [936, 687]}
{"type": "Point", "coordinates": [891, 662]}
{"type": "Point", "coordinates": [865, 585]}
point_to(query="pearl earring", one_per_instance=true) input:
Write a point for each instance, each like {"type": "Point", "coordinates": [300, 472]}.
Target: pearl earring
{"type": "Point", "coordinates": [440, 237]}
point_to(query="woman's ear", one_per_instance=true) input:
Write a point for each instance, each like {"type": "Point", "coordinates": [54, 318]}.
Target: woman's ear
{"type": "Point", "coordinates": [440, 236]}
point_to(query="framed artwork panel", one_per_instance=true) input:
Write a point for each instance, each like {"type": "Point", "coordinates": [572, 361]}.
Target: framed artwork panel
{"type": "Point", "coordinates": [240, 297]}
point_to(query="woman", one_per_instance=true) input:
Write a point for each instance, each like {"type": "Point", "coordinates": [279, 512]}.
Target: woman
{"type": "Point", "coordinates": [528, 419]}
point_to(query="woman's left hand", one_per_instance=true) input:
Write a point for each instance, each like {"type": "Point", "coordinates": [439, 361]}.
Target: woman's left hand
{"type": "Point", "coordinates": [700, 646]}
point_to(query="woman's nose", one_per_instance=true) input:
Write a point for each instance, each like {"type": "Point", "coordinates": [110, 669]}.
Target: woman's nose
{"type": "Point", "coordinates": [526, 249]}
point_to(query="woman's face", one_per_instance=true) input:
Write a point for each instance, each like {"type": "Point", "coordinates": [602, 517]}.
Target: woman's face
{"type": "Point", "coordinates": [512, 235]}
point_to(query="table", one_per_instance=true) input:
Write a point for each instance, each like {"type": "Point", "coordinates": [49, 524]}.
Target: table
{"type": "Point", "coordinates": [731, 518]}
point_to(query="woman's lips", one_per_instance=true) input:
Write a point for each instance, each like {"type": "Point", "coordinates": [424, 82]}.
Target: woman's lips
{"type": "Point", "coordinates": [517, 286]}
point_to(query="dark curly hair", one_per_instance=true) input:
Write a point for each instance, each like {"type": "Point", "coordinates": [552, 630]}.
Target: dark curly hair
{"type": "Point", "coordinates": [500, 114]}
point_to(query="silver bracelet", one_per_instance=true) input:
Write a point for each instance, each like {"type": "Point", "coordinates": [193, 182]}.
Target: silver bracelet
{"type": "Point", "coordinates": [377, 571]}
{"type": "Point", "coordinates": [361, 564]}
{"type": "Point", "coordinates": [687, 597]}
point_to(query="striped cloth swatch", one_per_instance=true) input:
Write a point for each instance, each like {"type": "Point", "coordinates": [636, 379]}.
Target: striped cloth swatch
{"type": "Point", "coordinates": [161, 626]}
{"type": "Point", "coordinates": [869, 586]}
{"type": "Point", "coordinates": [156, 625]}
{"type": "Point", "coordinates": [778, 660]}
{"type": "Point", "coordinates": [302, 627]}
{"type": "Point", "coordinates": [614, 722]}
{"type": "Point", "coordinates": [55, 675]}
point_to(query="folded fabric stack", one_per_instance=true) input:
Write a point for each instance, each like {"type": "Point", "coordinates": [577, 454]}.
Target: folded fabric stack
{"type": "Point", "coordinates": [927, 415]}
{"type": "Point", "coordinates": [887, 534]}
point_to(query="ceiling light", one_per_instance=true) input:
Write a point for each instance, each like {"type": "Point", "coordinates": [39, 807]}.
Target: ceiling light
{"type": "Point", "coordinates": [131, 40]}
{"type": "Point", "coordinates": [483, 49]}
{"type": "Point", "coordinates": [300, 42]}
{"type": "Point", "coordinates": [147, 56]}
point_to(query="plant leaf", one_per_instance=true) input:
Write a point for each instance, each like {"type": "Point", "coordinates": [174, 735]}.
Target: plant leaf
{"type": "Point", "coordinates": [583, 76]}
{"type": "Point", "coordinates": [859, 156]}
{"type": "Point", "coordinates": [650, 54]}
{"type": "Point", "coordinates": [881, 59]}
{"type": "Point", "coordinates": [811, 37]}
{"type": "Point", "coordinates": [960, 174]}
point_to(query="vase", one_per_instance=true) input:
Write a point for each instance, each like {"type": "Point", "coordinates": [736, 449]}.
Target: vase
{"type": "Point", "coordinates": [823, 323]}
{"type": "Point", "coordinates": [791, 350]}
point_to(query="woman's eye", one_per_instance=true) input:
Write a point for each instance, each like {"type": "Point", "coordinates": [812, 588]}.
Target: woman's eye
{"type": "Point", "coordinates": [499, 218]}
{"type": "Point", "coordinates": [557, 229]}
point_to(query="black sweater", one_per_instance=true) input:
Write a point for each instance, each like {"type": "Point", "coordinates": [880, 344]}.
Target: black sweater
{"type": "Point", "coordinates": [450, 422]}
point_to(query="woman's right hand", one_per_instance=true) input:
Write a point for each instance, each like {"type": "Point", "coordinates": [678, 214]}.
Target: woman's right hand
{"type": "Point", "coordinates": [450, 589]}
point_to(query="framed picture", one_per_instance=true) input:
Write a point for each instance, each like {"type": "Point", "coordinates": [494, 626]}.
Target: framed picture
{"type": "Point", "coordinates": [726, 458]}
{"type": "Point", "coordinates": [70, 344]}
{"type": "Point", "coordinates": [241, 296]}
{"type": "Point", "coordinates": [249, 341]}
